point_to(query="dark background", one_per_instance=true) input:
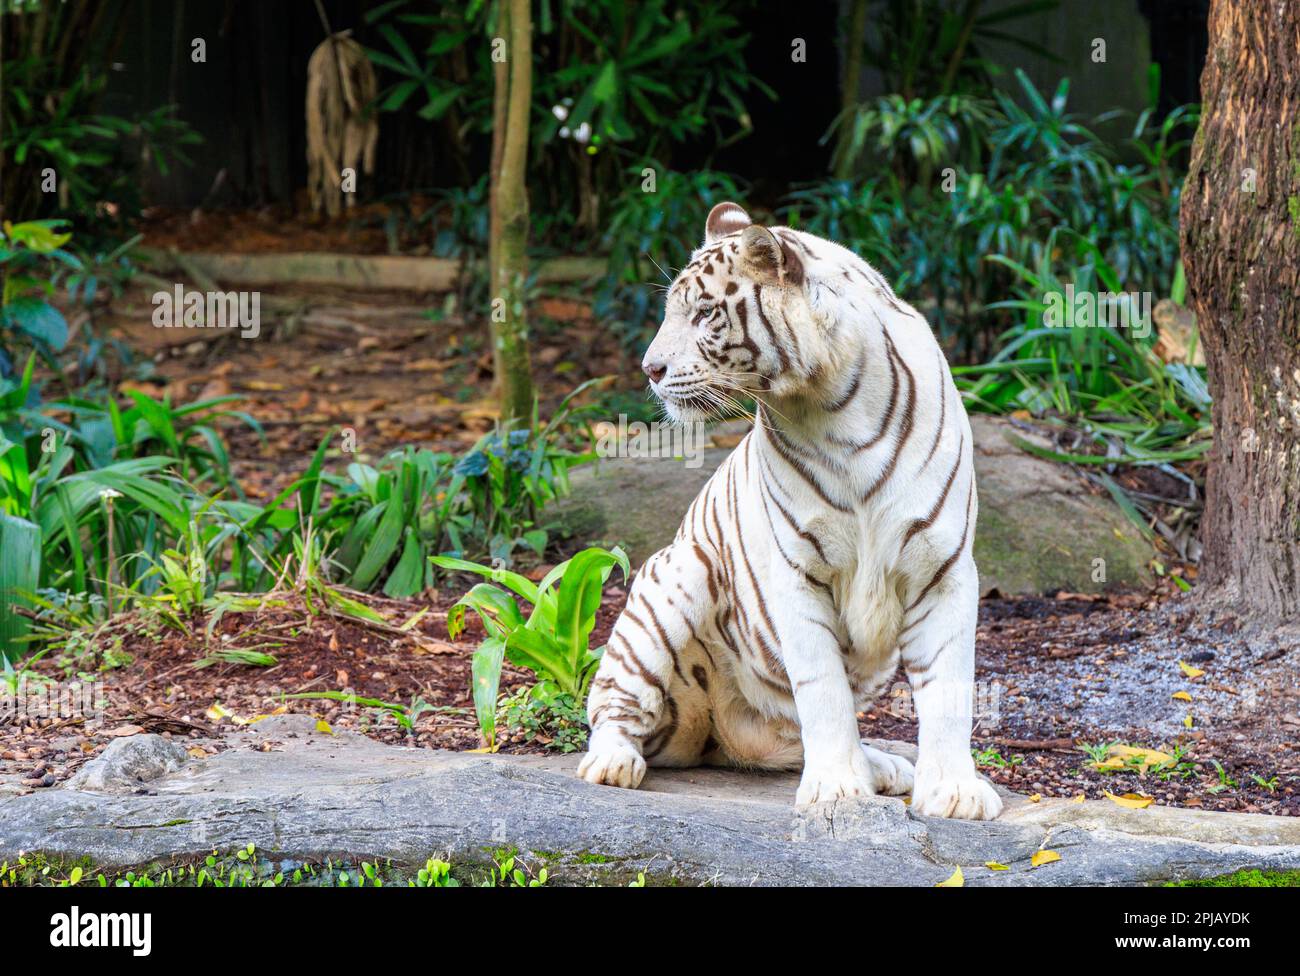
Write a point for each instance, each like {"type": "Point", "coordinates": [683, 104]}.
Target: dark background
{"type": "Point", "coordinates": [247, 100]}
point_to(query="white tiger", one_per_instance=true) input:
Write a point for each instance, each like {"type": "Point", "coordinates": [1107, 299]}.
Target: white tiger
{"type": "Point", "coordinates": [831, 545]}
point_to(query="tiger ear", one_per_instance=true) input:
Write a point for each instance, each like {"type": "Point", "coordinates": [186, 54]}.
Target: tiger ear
{"type": "Point", "coordinates": [724, 219]}
{"type": "Point", "coordinates": [760, 252]}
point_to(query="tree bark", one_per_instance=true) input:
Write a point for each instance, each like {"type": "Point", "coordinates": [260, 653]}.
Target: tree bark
{"type": "Point", "coordinates": [509, 320]}
{"type": "Point", "coordinates": [849, 87]}
{"type": "Point", "coordinates": [1241, 253]}
{"type": "Point", "coordinates": [500, 101]}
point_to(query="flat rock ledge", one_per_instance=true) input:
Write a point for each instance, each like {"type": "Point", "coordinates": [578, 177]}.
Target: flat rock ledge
{"type": "Point", "coordinates": [301, 794]}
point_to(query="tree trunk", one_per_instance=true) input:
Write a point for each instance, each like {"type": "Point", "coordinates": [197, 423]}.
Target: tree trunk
{"type": "Point", "coordinates": [1241, 252]}
{"type": "Point", "coordinates": [509, 321]}
{"type": "Point", "coordinates": [500, 101]}
{"type": "Point", "coordinates": [853, 41]}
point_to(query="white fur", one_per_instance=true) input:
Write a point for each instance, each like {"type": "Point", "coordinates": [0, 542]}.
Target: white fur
{"type": "Point", "coordinates": [744, 602]}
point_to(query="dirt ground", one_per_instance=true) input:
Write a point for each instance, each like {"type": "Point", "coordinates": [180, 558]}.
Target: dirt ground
{"type": "Point", "coordinates": [375, 363]}
{"type": "Point", "coordinates": [1056, 677]}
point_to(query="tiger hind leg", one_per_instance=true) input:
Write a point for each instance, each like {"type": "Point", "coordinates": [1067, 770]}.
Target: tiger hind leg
{"type": "Point", "coordinates": [648, 701]}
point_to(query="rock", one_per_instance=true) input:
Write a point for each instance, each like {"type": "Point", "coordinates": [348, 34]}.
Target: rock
{"type": "Point", "coordinates": [129, 763]}
{"type": "Point", "coordinates": [633, 502]}
{"type": "Point", "coordinates": [1040, 529]}
{"type": "Point", "coordinates": [317, 795]}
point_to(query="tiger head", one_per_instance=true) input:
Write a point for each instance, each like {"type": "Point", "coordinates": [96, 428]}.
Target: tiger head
{"type": "Point", "coordinates": [738, 321]}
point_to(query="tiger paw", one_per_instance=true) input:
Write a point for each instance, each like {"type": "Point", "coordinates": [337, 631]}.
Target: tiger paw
{"type": "Point", "coordinates": [826, 785]}
{"type": "Point", "coordinates": [961, 798]}
{"type": "Point", "coordinates": [613, 763]}
{"type": "Point", "coordinates": [890, 775]}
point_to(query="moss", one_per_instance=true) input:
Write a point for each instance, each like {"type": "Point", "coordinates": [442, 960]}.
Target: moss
{"type": "Point", "coordinates": [1293, 208]}
{"type": "Point", "coordinates": [587, 857]}
{"type": "Point", "coordinates": [1035, 550]}
{"type": "Point", "coordinates": [1244, 879]}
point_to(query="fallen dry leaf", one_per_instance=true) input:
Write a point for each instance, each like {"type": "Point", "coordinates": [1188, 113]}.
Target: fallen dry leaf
{"type": "Point", "coordinates": [995, 866]}
{"type": "Point", "coordinates": [122, 731]}
{"type": "Point", "coordinates": [958, 880]}
{"type": "Point", "coordinates": [1120, 757]}
{"type": "Point", "coordinates": [1043, 857]}
{"type": "Point", "coordinates": [1182, 696]}
{"type": "Point", "coordinates": [1035, 797]}
{"type": "Point", "coordinates": [1078, 799]}
{"type": "Point", "coordinates": [1188, 670]}
{"type": "Point", "coordinates": [1131, 801]}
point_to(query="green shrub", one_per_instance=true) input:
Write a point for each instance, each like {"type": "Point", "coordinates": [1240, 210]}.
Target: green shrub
{"type": "Point", "coordinates": [551, 642]}
{"type": "Point", "coordinates": [968, 188]}
{"type": "Point", "coordinates": [30, 256]}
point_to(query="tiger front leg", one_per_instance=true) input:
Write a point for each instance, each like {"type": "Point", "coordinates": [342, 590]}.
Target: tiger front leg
{"type": "Point", "coordinates": [630, 691]}
{"type": "Point", "coordinates": [938, 652]}
{"type": "Point", "coordinates": [836, 763]}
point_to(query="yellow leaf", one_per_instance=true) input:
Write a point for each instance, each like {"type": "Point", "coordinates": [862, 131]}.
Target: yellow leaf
{"type": "Point", "coordinates": [956, 881]}
{"type": "Point", "coordinates": [1190, 671]}
{"type": "Point", "coordinates": [1182, 696]}
{"type": "Point", "coordinates": [1043, 857]}
{"type": "Point", "coordinates": [1035, 797]}
{"type": "Point", "coordinates": [1133, 801]}
{"type": "Point", "coordinates": [1120, 757]}
{"type": "Point", "coordinates": [196, 752]}
{"type": "Point", "coordinates": [1078, 799]}
{"type": "Point", "coordinates": [995, 866]}
{"type": "Point", "coordinates": [323, 726]}
{"type": "Point", "coordinates": [1187, 722]}
{"type": "Point", "coordinates": [217, 712]}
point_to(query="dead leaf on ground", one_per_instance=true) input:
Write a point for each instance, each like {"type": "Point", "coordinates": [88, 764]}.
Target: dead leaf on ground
{"type": "Point", "coordinates": [958, 880]}
{"type": "Point", "coordinates": [1131, 801]}
{"type": "Point", "coordinates": [1120, 758]}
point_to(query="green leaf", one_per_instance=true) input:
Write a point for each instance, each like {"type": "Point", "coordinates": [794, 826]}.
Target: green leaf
{"type": "Point", "coordinates": [20, 572]}
{"type": "Point", "coordinates": [486, 676]}
{"type": "Point", "coordinates": [382, 544]}
{"type": "Point", "coordinates": [37, 319]}
{"type": "Point", "coordinates": [407, 577]}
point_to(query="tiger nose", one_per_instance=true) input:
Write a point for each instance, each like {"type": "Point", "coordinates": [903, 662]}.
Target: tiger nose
{"type": "Point", "coordinates": [654, 369]}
